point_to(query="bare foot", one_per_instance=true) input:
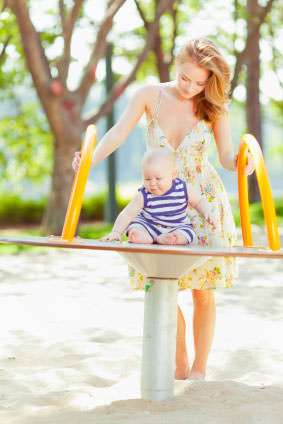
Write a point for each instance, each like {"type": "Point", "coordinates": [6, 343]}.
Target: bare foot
{"type": "Point", "coordinates": [172, 238]}
{"type": "Point", "coordinates": [196, 376]}
{"type": "Point", "coordinates": [138, 236]}
{"type": "Point", "coordinates": [182, 373]}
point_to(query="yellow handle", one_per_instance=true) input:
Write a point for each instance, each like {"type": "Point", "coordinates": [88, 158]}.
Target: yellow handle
{"type": "Point", "coordinates": [249, 143]}
{"type": "Point", "coordinates": [77, 193]}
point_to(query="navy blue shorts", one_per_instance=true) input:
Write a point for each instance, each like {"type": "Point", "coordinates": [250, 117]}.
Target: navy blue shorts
{"type": "Point", "coordinates": [156, 230]}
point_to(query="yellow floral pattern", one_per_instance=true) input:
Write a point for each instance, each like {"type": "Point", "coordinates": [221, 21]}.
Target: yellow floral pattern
{"type": "Point", "coordinates": [193, 166]}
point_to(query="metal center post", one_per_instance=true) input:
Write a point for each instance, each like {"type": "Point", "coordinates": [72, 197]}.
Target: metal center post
{"type": "Point", "coordinates": [159, 339]}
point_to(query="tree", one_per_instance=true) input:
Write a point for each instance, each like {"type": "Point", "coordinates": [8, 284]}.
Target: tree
{"type": "Point", "coordinates": [30, 141]}
{"type": "Point", "coordinates": [9, 75]}
{"type": "Point", "coordinates": [64, 107]}
{"type": "Point", "coordinates": [26, 142]}
{"type": "Point", "coordinates": [164, 55]}
{"type": "Point", "coordinates": [171, 25]}
{"type": "Point", "coordinates": [249, 57]}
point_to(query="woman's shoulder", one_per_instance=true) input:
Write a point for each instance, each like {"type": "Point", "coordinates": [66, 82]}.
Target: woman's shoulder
{"type": "Point", "coordinates": [152, 90]}
{"type": "Point", "coordinates": [222, 119]}
{"type": "Point", "coordinates": [207, 124]}
{"type": "Point", "coordinates": [148, 95]}
{"type": "Point", "coordinates": [149, 90]}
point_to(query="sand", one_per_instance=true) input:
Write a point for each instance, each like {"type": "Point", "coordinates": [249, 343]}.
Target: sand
{"type": "Point", "coordinates": [71, 334]}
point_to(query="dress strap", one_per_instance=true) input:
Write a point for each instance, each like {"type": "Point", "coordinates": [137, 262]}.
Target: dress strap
{"type": "Point", "coordinates": [157, 107]}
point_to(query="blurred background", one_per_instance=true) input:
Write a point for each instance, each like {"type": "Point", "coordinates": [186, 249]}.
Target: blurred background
{"type": "Point", "coordinates": [67, 63]}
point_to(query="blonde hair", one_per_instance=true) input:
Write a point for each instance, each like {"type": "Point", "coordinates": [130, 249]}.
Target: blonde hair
{"type": "Point", "coordinates": [210, 103]}
{"type": "Point", "coordinates": [158, 155]}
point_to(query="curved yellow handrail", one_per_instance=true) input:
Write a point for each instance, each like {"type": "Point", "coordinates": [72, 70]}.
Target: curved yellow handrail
{"type": "Point", "coordinates": [77, 193]}
{"type": "Point", "coordinates": [249, 143]}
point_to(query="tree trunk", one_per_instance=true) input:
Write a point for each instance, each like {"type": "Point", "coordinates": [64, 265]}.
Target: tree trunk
{"type": "Point", "coordinates": [61, 184]}
{"type": "Point", "coordinates": [254, 121]}
{"type": "Point", "coordinates": [162, 66]}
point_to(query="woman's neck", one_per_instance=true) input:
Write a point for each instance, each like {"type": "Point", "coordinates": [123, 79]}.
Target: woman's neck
{"type": "Point", "coordinates": [173, 87]}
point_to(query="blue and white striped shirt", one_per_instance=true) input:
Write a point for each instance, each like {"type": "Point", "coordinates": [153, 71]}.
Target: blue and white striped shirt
{"type": "Point", "coordinates": [169, 209]}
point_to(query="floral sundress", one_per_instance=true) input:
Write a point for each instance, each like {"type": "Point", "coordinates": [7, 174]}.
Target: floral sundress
{"type": "Point", "coordinates": [193, 166]}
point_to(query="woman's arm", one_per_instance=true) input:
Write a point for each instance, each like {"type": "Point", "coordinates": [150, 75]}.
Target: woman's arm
{"type": "Point", "coordinates": [222, 134]}
{"type": "Point", "coordinates": [127, 215]}
{"type": "Point", "coordinates": [119, 132]}
{"type": "Point", "coordinates": [200, 204]}
{"type": "Point", "coordinates": [223, 140]}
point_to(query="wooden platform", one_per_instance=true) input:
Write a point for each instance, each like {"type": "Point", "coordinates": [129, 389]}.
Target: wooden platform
{"type": "Point", "coordinates": [239, 251]}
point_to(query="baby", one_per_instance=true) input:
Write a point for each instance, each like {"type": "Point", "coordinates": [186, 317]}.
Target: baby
{"type": "Point", "coordinates": [158, 212]}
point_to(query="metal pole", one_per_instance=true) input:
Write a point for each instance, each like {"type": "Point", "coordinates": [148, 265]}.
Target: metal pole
{"type": "Point", "coordinates": [159, 339]}
{"type": "Point", "coordinates": [111, 209]}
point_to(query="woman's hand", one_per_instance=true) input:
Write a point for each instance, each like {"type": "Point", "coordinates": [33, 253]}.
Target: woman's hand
{"type": "Point", "coordinates": [113, 236]}
{"type": "Point", "coordinates": [76, 161]}
{"type": "Point", "coordinates": [250, 166]}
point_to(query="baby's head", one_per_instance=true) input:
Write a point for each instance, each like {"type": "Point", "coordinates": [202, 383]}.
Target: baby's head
{"type": "Point", "coordinates": [158, 169]}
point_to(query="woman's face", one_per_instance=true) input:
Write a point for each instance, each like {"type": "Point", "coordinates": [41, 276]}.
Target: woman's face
{"type": "Point", "coordinates": [191, 79]}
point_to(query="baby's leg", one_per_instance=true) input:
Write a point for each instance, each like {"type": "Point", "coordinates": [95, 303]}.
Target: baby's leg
{"type": "Point", "coordinates": [182, 234]}
{"type": "Point", "coordinates": [175, 237]}
{"type": "Point", "coordinates": [139, 235]}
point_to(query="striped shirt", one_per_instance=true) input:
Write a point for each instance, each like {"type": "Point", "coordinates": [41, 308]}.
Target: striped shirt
{"type": "Point", "coordinates": [169, 209]}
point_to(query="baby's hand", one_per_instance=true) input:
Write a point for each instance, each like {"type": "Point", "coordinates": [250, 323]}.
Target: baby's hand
{"type": "Point", "coordinates": [113, 236]}
{"type": "Point", "coordinates": [76, 161]}
{"type": "Point", "coordinates": [210, 220]}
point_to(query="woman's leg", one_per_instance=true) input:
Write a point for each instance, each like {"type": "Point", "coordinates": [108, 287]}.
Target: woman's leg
{"type": "Point", "coordinates": [204, 325]}
{"type": "Point", "coordinates": [182, 362]}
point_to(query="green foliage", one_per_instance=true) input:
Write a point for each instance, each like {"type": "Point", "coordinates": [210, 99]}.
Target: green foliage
{"type": "Point", "coordinates": [185, 10]}
{"type": "Point", "coordinates": [93, 207]}
{"type": "Point", "coordinates": [94, 231]}
{"type": "Point", "coordinates": [14, 249]}
{"type": "Point", "coordinates": [90, 231]}
{"type": "Point", "coordinates": [12, 71]}
{"type": "Point", "coordinates": [277, 108]}
{"type": "Point", "coordinates": [26, 148]}
{"type": "Point", "coordinates": [148, 68]}
{"type": "Point", "coordinates": [256, 212]}
{"type": "Point", "coordinates": [166, 31]}
{"type": "Point", "coordinates": [148, 8]}
{"type": "Point", "coordinates": [14, 210]}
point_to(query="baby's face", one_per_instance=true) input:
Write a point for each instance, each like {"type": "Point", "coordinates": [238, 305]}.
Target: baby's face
{"type": "Point", "coordinates": [157, 177]}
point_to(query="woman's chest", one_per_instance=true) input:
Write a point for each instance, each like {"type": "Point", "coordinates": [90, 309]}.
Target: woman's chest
{"type": "Point", "coordinates": [195, 143]}
{"type": "Point", "coordinates": [175, 125]}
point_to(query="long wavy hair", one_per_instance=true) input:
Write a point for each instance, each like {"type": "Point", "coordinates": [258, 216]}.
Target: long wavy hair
{"type": "Point", "coordinates": [210, 103]}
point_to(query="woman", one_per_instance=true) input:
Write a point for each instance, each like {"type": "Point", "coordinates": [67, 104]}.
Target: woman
{"type": "Point", "coordinates": [184, 115]}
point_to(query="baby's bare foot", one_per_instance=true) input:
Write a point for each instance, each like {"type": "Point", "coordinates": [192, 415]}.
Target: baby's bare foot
{"type": "Point", "coordinates": [172, 238]}
{"type": "Point", "coordinates": [137, 236]}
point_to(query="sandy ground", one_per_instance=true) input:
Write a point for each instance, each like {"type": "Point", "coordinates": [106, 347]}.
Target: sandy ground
{"type": "Point", "coordinates": [71, 334]}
